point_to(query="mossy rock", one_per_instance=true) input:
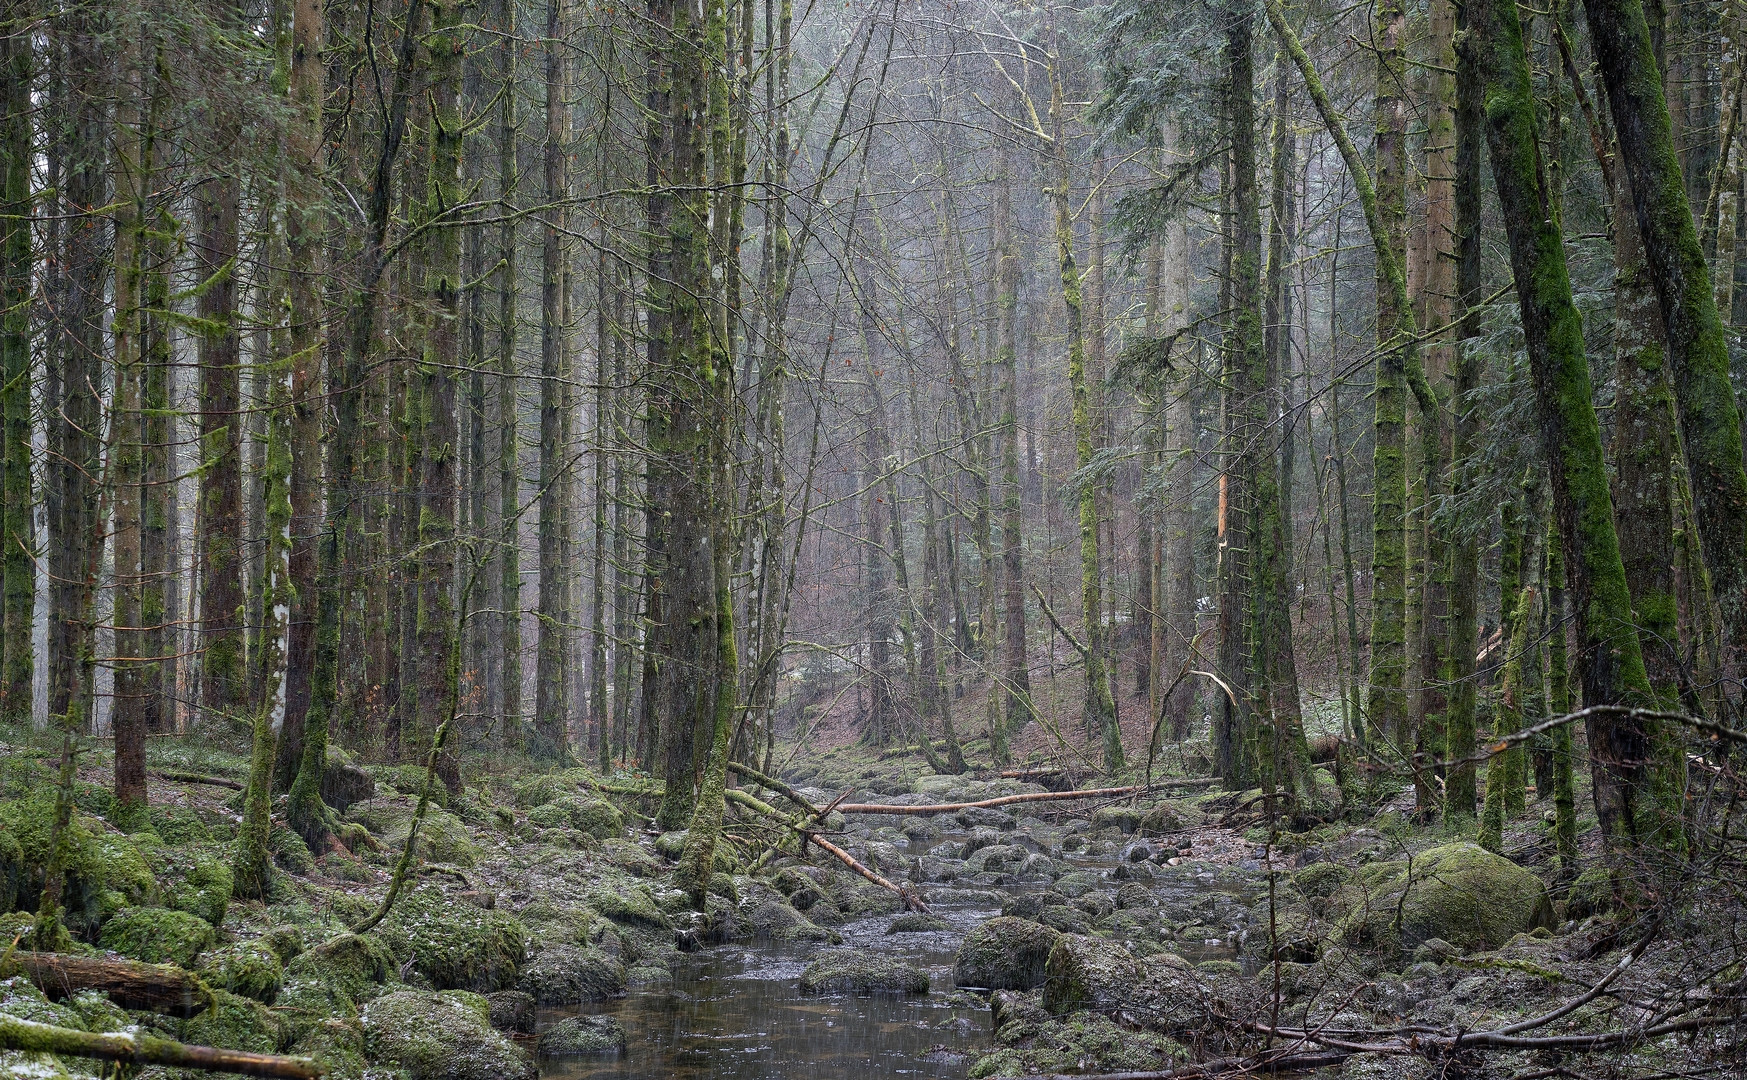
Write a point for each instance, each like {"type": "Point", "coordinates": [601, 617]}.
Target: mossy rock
{"type": "Point", "coordinates": [1592, 893]}
{"type": "Point", "coordinates": [289, 851]}
{"type": "Point", "coordinates": [1065, 918]}
{"type": "Point", "coordinates": [1034, 1042]}
{"type": "Point", "coordinates": [1175, 996]}
{"type": "Point", "coordinates": [455, 944]}
{"type": "Point", "coordinates": [631, 858]}
{"type": "Point", "coordinates": [596, 817]}
{"type": "Point", "coordinates": [1134, 895]}
{"type": "Point", "coordinates": [104, 872]}
{"type": "Point", "coordinates": [1161, 820]}
{"type": "Point", "coordinates": [194, 879]}
{"type": "Point", "coordinates": [579, 1036]}
{"type": "Point", "coordinates": [561, 974]}
{"type": "Point", "coordinates": [343, 782]}
{"type": "Point", "coordinates": [409, 780]}
{"type": "Point", "coordinates": [859, 900]}
{"type": "Point", "coordinates": [441, 1036]}
{"type": "Point", "coordinates": [1458, 892]}
{"type": "Point", "coordinates": [442, 836]}
{"type": "Point", "coordinates": [1088, 973]}
{"type": "Point", "coordinates": [1005, 953]}
{"type": "Point", "coordinates": [1077, 883]}
{"type": "Point", "coordinates": [337, 1045]}
{"type": "Point", "coordinates": [538, 790]}
{"type": "Point", "coordinates": [179, 825]}
{"type": "Point", "coordinates": [338, 976]}
{"type": "Point", "coordinates": [513, 1010]}
{"type": "Point", "coordinates": [861, 972]}
{"type": "Point", "coordinates": [1320, 880]}
{"type": "Point", "coordinates": [249, 968]}
{"type": "Point", "coordinates": [634, 906]}
{"type": "Point", "coordinates": [21, 999]}
{"type": "Point", "coordinates": [996, 859]}
{"type": "Point", "coordinates": [1126, 818]}
{"type": "Point", "coordinates": [914, 922]}
{"type": "Point", "coordinates": [157, 935]}
{"type": "Point", "coordinates": [234, 1022]}
{"type": "Point", "coordinates": [671, 845]}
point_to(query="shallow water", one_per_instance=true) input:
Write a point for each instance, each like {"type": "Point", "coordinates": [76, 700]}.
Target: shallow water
{"type": "Point", "coordinates": [736, 1012]}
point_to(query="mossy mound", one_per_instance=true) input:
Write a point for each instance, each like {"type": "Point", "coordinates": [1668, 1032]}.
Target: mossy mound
{"type": "Point", "coordinates": [178, 825]}
{"type": "Point", "coordinates": [671, 845]}
{"type": "Point", "coordinates": [234, 1022]}
{"type": "Point", "coordinates": [336, 1045]}
{"type": "Point", "coordinates": [1005, 953]}
{"type": "Point", "coordinates": [858, 972]}
{"type": "Point", "coordinates": [1088, 973]}
{"type": "Point", "coordinates": [441, 1036]}
{"type": "Point", "coordinates": [104, 872]}
{"type": "Point", "coordinates": [343, 782]}
{"type": "Point", "coordinates": [1032, 1042]}
{"type": "Point", "coordinates": [1161, 820]}
{"type": "Point", "coordinates": [289, 851]}
{"type": "Point", "coordinates": [1459, 892]}
{"type": "Point", "coordinates": [157, 935]}
{"type": "Point", "coordinates": [634, 905]}
{"type": "Point", "coordinates": [594, 1036]}
{"type": "Point", "coordinates": [20, 998]}
{"type": "Point", "coordinates": [596, 817]}
{"type": "Point", "coordinates": [454, 944]}
{"type": "Point", "coordinates": [249, 968]}
{"type": "Point", "coordinates": [337, 977]}
{"type": "Point", "coordinates": [193, 879]}
{"type": "Point", "coordinates": [1320, 880]}
{"type": "Point", "coordinates": [1592, 892]}
{"type": "Point", "coordinates": [567, 975]}
{"type": "Point", "coordinates": [631, 858]}
{"type": "Point", "coordinates": [1126, 818]}
{"type": "Point", "coordinates": [442, 836]}
{"type": "Point", "coordinates": [409, 780]}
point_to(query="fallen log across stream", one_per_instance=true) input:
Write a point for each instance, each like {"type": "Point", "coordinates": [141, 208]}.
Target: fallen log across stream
{"type": "Point", "coordinates": [1004, 800]}
{"type": "Point", "coordinates": [161, 988]}
{"type": "Point", "coordinates": [138, 1048]}
{"type": "Point", "coordinates": [912, 901]}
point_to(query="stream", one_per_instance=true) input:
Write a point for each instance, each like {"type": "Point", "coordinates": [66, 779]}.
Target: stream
{"type": "Point", "coordinates": [735, 1011]}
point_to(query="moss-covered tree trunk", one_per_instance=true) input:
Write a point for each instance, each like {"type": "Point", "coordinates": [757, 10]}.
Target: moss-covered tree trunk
{"type": "Point", "coordinates": [1698, 357]}
{"type": "Point", "coordinates": [1100, 706]}
{"type": "Point", "coordinates": [1015, 667]}
{"type": "Point", "coordinates": [1612, 667]}
{"type": "Point", "coordinates": [507, 545]}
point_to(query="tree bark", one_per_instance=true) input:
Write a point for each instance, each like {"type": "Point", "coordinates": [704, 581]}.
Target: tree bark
{"type": "Point", "coordinates": [17, 547]}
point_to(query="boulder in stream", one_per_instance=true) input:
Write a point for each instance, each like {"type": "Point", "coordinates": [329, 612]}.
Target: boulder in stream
{"type": "Point", "coordinates": [1005, 953]}
{"type": "Point", "coordinates": [1461, 893]}
{"type": "Point", "coordinates": [596, 1036]}
{"type": "Point", "coordinates": [860, 972]}
{"type": "Point", "coordinates": [562, 974]}
{"type": "Point", "coordinates": [442, 1036]}
{"type": "Point", "coordinates": [1088, 973]}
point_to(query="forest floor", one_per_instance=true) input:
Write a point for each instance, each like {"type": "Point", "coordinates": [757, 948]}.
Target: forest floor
{"type": "Point", "coordinates": [542, 933]}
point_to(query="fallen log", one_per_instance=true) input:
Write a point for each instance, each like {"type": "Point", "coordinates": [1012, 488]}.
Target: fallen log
{"type": "Point", "coordinates": [771, 782]}
{"type": "Point", "coordinates": [197, 778]}
{"type": "Point", "coordinates": [1004, 800]}
{"type": "Point", "coordinates": [138, 1048]}
{"type": "Point", "coordinates": [912, 901]}
{"type": "Point", "coordinates": [161, 988]}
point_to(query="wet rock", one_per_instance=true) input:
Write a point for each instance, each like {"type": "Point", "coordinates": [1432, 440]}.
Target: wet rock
{"type": "Point", "coordinates": [512, 1010]}
{"type": "Point", "coordinates": [886, 857]}
{"type": "Point", "coordinates": [1139, 851]}
{"type": "Point", "coordinates": [249, 968]}
{"type": "Point", "coordinates": [1005, 953]}
{"type": "Point", "coordinates": [1134, 871]}
{"type": "Point", "coordinates": [1030, 905]}
{"type": "Point", "coordinates": [1134, 895]}
{"type": "Point", "coordinates": [986, 816]}
{"type": "Point", "coordinates": [594, 1036]}
{"type": "Point", "coordinates": [1065, 919]}
{"type": "Point", "coordinates": [997, 859]}
{"type": "Point", "coordinates": [1033, 1042]}
{"type": "Point", "coordinates": [1088, 973]}
{"type": "Point", "coordinates": [934, 868]}
{"type": "Point", "coordinates": [442, 1036]}
{"type": "Point", "coordinates": [914, 922]}
{"type": "Point", "coordinates": [1077, 883]}
{"type": "Point", "coordinates": [1320, 880]}
{"type": "Point", "coordinates": [632, 906]}
{"type": "Point", "coordinates": [1459, 892]}
{"type": "Point", "coordinates": [978, 840]}
{"type": "Point", "coordinates": [1096, 905]}
{"type": "Point", "coordinates": [456, 945]}
{"type": "Point", "coordinates": [157, 935]}
{"type": "Point", "coordinates": [562, 974]}
{"type": "Point", "coordinates": [1042, 866]}
{"type": "Point", "coordinates": [860, 972]}
{"type": "Point", "coordinates": [1123, 818]}
{"type": "Point", "coordinates": [1160, 820]}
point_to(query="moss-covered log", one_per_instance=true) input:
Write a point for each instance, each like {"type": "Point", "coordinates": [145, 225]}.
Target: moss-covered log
{"type": "Point", "coordinates": [139, 1048]}
{"type": "Point", "coordinates": [161, 988]}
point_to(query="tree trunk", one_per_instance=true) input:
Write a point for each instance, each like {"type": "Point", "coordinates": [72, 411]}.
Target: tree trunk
{"type": "Point", "coordinates": [1016, 661]}
{"type": "Point", "coordinates": [508, 542]}
{"type": "Point", "coordinates": [1612, 666]}
{"type": "Point", "coordinates": [17, 542]}
{"type": "Point", "coordinates": [1698, 357]}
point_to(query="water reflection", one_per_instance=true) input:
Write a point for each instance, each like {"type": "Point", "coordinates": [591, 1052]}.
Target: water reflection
{"type": "Point", "coordinates": [735, 1012]}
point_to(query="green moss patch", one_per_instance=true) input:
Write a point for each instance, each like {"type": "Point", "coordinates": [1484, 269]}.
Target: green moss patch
{"type": "Point", "coordinates": [157, 935]}
{"type": "Point", "coordinates": [440, 1036]}
{"type": "Point", "coordinates": [453, 943]}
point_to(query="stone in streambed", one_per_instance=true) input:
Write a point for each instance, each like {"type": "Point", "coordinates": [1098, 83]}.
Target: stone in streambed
{"type": "Point", "coordinates": [857, 972]}
{"type": "Point", "coordinates": [594, 1036]}
{"type": "Point", "coordinates": [1005, 953]}
{"type": "Point", "coordinates": [442, 1036]}
{"type": "Point", "coordinates": [1088, 973]}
